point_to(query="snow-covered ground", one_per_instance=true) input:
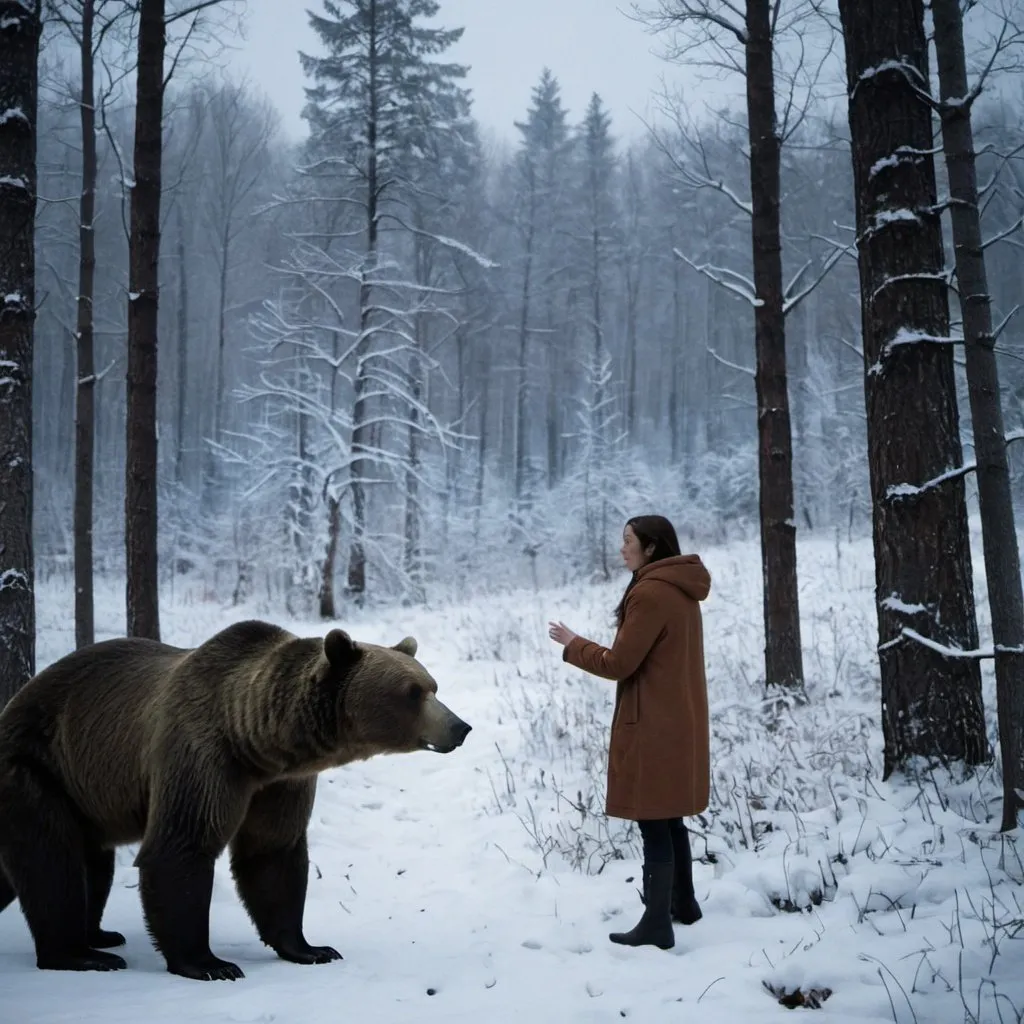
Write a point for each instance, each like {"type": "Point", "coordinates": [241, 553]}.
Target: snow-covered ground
{"type": "Point", "coordinates": [481, 885]}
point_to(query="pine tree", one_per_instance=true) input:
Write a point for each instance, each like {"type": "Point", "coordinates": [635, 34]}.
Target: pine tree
{"type": "Point", "coordinates": [541, 163]}
{"type": "Point", "coordinates": [931, 693]}
{"type": "Point", "coordinates": [595, 238]}
{"type": "Point", "coordinates": [378, 100]}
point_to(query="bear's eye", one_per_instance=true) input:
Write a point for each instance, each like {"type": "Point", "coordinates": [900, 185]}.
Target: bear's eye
{"type": "Point", "coordinates": [415, 693]}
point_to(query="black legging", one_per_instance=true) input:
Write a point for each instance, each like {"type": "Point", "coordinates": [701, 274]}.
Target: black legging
{"type": "Point", "coordinates": [662, 836]}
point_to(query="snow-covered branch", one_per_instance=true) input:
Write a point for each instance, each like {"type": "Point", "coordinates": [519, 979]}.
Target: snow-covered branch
{"type": "Point", "coordinates": [728, 279]}
{"type": "Point", "coordinates": [906, 633]}
{"type": "Point", "coordinates": [896, 492]}
{"type": "Point", "coordinates": [730, 365]}
{"type": "Point", "coordinates": [791, 300]}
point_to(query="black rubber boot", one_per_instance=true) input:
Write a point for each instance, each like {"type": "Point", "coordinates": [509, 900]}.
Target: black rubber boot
{"type": "Point", "coordinates": [685, 908]}
{"type": "Point", "coordinates": [655, 927]}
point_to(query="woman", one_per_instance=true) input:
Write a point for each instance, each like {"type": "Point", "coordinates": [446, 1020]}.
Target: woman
{"type": "Point", "coordinates": [658, 760]}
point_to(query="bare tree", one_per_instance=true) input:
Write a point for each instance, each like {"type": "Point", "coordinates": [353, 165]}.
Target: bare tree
{"type": "Point", "coordinates": [143, 284]}
{"type": "Point", "coordinates": [141, 514]}
{"type": "Point", "coordinates": [931, 682]}
{"type": "Point", "coordinates": [20, 29]}
{"type": "Point", "coordinates": [240, 134]}
{"type": "Point", "coordinates": [995, 496]}
{"type": "Point", "coordinates": [718, 28]}
{"type": "Point", "coordinates": [87, 22]}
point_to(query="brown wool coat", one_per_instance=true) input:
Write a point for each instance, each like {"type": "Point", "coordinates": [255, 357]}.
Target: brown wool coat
{"type": "Point", "coordinates": [659, 757]}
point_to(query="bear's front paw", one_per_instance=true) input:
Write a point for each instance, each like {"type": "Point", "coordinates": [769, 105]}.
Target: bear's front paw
{"type": "Point", "coordinates": [207, 968]}
{"type": "Point", "coordinates": [304, 953]}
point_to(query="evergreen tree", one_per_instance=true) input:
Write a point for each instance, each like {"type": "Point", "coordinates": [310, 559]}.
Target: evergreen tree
{"type": "Point", "coordinates": [542, 165]}
{"type": "Point", "coordinates": [379, 103]}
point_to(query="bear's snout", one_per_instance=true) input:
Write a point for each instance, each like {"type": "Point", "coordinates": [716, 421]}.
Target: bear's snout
{"type": "Point", "coordinates": [443, 730]}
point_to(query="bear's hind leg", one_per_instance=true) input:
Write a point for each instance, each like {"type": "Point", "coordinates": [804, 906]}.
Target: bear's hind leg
{"type": "Point", "coordinates": [272, 885]}
{"type": "Point", "coordinates": [42, 848]}
{"type": "Point", "coordinates": [99, 877]}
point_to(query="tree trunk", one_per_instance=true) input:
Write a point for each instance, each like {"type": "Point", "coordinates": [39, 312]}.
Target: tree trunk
{"type": "Point", "coordinates": [85, 384]}
{"type": "Point", "coordinates": [179, 455]}
{"type": "Point", "coordinates": [20, 29]}
{"type": "Point", "coordinates": [675, 355]}
{"type": "Point", "coordinates": [327, 606]}
{"type": "Point", "coordinates": [481, 450]}
{"type": "Point", "coordinates": [413, 513]}
{"type": "Point", "coordinates": [999, 535]}
{"type": "Point", "coordinates": [931, 702]}
{"type": "Point", "coordinates": [783, 656]}
{"type": "Point", "coordinates": [143, 270]}
{"type": "Point", "coordinates": [553, 418]}
{"type": "Point", "coordinates": [361, 428]}
{"type": "Point", "coordinates": [632, 282]}
{"type": "Point", "coordinates": [211, 452]}
{"type": "Point", "coordinates": [522, 372]}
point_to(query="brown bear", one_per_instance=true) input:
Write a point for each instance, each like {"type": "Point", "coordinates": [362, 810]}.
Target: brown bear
{"type": "Point", "coordinates": [190, 752]}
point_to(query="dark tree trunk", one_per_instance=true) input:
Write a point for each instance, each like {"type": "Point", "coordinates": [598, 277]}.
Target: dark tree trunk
{"type": "Point", "coordinates": [931, 703]}
{"type": "Point", "coordinates": [783, 656]}
{"type": "Point", "coordinates": [19, 53]}
{"type": "Point", "coordinates": [995, 496]}
{"type": "Point", "coordinates": [143, 284]}
{"type": "Point", "coordinates": [85, 385]}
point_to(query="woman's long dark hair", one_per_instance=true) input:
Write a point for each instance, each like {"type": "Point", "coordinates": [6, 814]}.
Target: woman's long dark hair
{"type": "Point", "coordinates": [656, 530]}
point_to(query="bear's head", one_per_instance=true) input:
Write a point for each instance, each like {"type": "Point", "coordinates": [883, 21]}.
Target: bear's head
{"type": "Point", "coordinates": [387, 699]}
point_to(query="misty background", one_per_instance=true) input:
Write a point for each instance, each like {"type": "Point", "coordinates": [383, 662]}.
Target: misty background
{"type": "Point", "coordinates": [569, 335]}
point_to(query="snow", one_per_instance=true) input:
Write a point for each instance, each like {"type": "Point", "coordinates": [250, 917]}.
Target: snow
{"type": "Point", "coordinates": [897, 604]}
{"type": "Point", "coordinates": [452, 883]}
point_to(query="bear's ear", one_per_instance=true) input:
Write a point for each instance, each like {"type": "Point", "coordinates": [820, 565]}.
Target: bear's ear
{"type": "Point", "coordinates": [339, 649]}
{"type": "Point", "coordinates": [407, 646]}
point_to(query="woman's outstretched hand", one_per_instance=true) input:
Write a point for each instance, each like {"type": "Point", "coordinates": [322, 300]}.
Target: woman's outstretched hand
{"type": "Point", "coordinates": [560, 633]}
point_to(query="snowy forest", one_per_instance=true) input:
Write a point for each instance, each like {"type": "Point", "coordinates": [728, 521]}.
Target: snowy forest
{"type": "Point", "coordinates": [401, 363]}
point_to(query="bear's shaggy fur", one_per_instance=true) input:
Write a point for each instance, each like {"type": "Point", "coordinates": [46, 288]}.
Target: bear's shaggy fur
{"type": "Point", "coordinates": [192, 752]}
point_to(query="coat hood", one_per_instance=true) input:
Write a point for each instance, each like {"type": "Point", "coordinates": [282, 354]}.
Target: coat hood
{"type": "Point", "coordinates": [687, 572]}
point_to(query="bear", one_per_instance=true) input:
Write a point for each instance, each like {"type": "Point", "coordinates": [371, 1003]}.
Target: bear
{"type": "Point", "coordinates": [190, 752]}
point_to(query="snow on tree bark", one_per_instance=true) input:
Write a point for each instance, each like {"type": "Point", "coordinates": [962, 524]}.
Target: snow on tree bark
{"type": "Point", "coordinates": [142, 583]}
{"type": "Point", "coordinates": [999, 535]}
{"type": "Point", "coordinates": [20, 29]}
{"type": "Point", "coordinates": [931, 703]}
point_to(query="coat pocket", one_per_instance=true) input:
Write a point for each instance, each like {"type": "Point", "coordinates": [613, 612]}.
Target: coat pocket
{"type": "Point", "coordinates": [628, 700]}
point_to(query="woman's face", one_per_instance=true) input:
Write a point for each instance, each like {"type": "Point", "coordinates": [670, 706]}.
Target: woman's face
{"type": "Point", "coordinates": [632, 553]}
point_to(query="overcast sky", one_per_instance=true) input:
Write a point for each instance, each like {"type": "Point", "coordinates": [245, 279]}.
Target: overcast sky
{"type": "Point", "coordinates": [590, 45]}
